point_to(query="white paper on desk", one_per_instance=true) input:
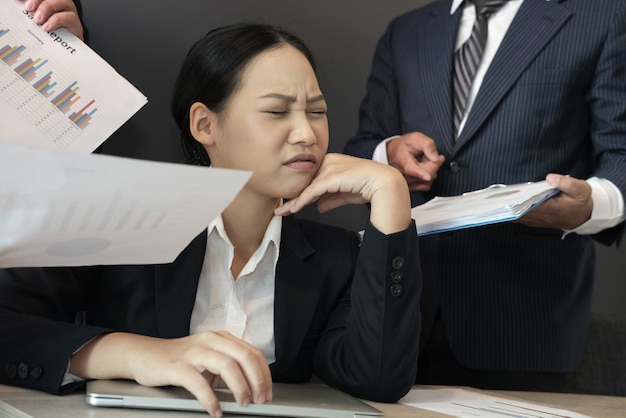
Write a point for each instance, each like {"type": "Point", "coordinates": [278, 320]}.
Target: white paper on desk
{"type": "Point", "coordinates": [497, 203]}
{"type": "Point", "coordinates": [54, 90]}
{"type": "Point", "coordinates": [63, 208]}
{"type": "Point", "coordinates": [465, 403]}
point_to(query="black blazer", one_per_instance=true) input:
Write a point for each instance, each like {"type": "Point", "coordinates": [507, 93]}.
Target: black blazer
{"type": "Point", "coordinates": [553, 100]}
{"type": "Point", "coordinates": [346, 311]}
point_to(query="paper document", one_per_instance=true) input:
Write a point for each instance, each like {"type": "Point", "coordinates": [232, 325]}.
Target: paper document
{"type": "Point", "coordinates": [497, 203]}
{"type": "Point", "coordinates": [54, 90]}
{"type": "Point", "coordinates": [61, 208]}
{"type": "Point", "coordinates": [465, 403]}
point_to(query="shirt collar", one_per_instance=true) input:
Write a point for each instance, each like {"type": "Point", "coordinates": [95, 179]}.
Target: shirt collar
{"type": "Point", "coordinates": [458, 3]}
{"type": "Point", "coordinates": [272, 233]}
{"type": "Point", "coordinates": [455, 5]}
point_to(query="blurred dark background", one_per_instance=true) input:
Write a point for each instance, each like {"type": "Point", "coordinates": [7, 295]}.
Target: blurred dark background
{"type": "Point", "coordinates": [145, 41]}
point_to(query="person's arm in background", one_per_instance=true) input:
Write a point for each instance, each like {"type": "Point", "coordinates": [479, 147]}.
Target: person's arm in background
{"type": "Point", "coordinates": [54, 14]}
{"type": "Point", "coordinates": [414, 154]}
{"type": "Point", "coordinates": [595, 206]}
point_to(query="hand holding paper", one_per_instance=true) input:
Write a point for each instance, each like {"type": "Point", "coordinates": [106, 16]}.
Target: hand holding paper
{"type": "Point", "coordinates": [497, 203]}
{"type": "Point", "coordinates": [571, 208]}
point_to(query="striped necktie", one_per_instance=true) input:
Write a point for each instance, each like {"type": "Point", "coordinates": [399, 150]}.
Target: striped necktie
{"type": "Point", "coordinates": [467, 57]}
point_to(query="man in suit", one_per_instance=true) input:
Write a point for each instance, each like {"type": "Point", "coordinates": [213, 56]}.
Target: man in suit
{"type": "Point", "coordinates": [509, 303]}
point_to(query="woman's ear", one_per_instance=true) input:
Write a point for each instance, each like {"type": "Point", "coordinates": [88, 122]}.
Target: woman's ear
{"type": "Point", "coordinates": [201, 122]}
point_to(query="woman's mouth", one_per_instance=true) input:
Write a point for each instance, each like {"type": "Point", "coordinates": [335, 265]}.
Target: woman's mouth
{"type": "Point", "coordinates": [302, 162]}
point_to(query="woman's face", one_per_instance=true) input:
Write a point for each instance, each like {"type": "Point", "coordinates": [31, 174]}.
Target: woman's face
{"type": "Point", "coordinates": [274, 125]}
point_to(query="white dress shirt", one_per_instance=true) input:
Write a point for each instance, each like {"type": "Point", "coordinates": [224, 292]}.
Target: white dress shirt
{"type": "Point", "coordinates": [243, 305]}
{"type": "Point", "coordinates": [608, 203]}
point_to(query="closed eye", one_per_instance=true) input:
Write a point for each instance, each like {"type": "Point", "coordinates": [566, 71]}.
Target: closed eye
{"type": "Point", "coordinates": [317, 113]}
{"type": "Point", "coordinates": [276, 113]}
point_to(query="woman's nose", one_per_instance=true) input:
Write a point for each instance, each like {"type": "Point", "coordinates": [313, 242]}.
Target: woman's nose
{"type": "Point", "coordinates": [302, 132]}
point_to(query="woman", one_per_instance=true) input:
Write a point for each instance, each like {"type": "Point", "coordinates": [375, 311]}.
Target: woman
{"type": "Point", "coordinates": [259, 295]}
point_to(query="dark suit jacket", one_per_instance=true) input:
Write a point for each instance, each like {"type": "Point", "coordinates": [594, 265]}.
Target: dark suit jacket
{"type": "Point", "coordinates": [553, 100]}
{"type": "Point", "coordinates": [346, 311]}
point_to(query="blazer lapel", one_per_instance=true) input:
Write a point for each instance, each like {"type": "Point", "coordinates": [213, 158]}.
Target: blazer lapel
{"type": "Point", "coordinates": [175, 289]}
{"type": "Point", "coordinates": [435, 66]}
{"type": "Point", "coordinates": [297, 289]}
{"type": "Point", "coordinates": [535, 24]}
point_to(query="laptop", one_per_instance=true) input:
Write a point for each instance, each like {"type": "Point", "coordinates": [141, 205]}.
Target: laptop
{"type": "Point", "coordinates": [310, 400]}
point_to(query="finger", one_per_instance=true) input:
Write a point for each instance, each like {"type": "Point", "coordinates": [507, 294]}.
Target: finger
{"type": "Point", "coordinates": [67, 20]}
{"type": "Point", "coordinates": [430, 152]}
{"type": "Point", "coordinates": [254, 367]}
{"type": "Point", "coordinates": [43, 10]}
{"type": "Point", "coordinates": [416, 171]}
{"type": "Point", "coordinates": [332, 201]}
{"type": "Point", "coordinates": [200, 388]}
{"type": "Point", "coordinates": [576, 188]}
{"type": "Point", "coordinates": [52, 15]}
{"type": "Point", "coordinates": [31, 5]}
{"type": "Point", "coordinates": [207, 399]}
{"type": "Point", "coordinates": [310, 194]}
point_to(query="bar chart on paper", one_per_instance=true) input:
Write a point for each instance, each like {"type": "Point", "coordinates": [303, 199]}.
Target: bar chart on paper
{"type": "Point", "coordinates": [57, 95]}
{"type": "Point", "coordinates": [36, 92]}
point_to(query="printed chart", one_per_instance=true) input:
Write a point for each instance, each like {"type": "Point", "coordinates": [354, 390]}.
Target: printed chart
{"type": "Point", "coordinates": [54, 90]}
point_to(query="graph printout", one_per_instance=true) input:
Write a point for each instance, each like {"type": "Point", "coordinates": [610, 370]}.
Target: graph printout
{"type": "Point", "coordinates": [54, 90]}
{"type": "Point", "coordinates": [61, 208]}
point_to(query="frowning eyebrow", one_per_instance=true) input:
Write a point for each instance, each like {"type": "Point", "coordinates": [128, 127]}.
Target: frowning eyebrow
{"type": "Point", "coordinates": [292, 99]}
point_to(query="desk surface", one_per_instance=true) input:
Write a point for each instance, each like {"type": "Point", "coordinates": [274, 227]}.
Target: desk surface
{"type": "Point", "coordinates": [28, 403]}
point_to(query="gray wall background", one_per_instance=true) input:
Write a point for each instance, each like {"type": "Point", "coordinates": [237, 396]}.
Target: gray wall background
{"type": "Point", "coordinates": [145, 41]}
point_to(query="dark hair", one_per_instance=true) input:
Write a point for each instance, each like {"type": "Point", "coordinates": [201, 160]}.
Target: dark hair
{"type": "Point", "coordinates": [211, 72]}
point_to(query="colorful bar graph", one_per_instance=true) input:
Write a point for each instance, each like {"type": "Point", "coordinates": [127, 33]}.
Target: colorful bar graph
{"type": "Point", "coordinates": [27, 68]}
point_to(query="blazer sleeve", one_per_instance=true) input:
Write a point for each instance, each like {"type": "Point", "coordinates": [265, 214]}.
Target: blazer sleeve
{"type": "Point", "coordinates": [38, 334]}
{"type": "Point", "coordinates": [378, 115]}
{"type": "Point", "coordinates": [608, 111]}
{"type": "Point", "coordinates": [370, 346]}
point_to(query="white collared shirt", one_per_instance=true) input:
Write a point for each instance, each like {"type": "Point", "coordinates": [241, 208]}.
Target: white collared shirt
{"type": "Point", "coordinates": [243, 306]}
{"type": "Point", "coordinates": [608, 203]}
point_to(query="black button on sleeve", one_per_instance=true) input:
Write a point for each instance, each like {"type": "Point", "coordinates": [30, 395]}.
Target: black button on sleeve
{"type": "Point", "coordinates": [22, 370]}
{"type": "Point", "coordinates": [396, 290]}
{"type": "Point", "coordinates": [10, 370]}
{"type": "Point", "coordinates": [397, 262]}
{"type": "Point", "coordinates": [36, 372]}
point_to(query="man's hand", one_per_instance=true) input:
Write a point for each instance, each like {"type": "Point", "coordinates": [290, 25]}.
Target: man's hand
{"type": "Point", "coordinates": [567, 210]}
{"type": "Point", "coordinates": [53, 14]}
{"type": "Point", "coordinates": [415, 156]}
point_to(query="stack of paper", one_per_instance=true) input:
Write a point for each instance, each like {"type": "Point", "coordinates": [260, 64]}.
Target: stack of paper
{"type": "Point", "coordinates": [496, 203]}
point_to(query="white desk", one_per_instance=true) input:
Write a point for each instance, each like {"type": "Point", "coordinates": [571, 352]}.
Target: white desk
{"type": "Point", "coordinates": [35, 404]}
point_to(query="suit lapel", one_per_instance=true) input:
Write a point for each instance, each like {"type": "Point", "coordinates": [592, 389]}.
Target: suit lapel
{"type": "Point", "coordinates": [435, 66]}
{"type": "Point", "coordinates": [175, 289]}
{"type": "Point", "coordinates": [297, 289]}
{"type": "Point", "coordinates": [535, 24]}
